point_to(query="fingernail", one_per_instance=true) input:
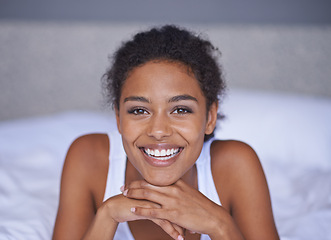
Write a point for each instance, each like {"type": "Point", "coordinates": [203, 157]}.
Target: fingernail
{"type": "Point", "coordinates": [122, 188]}
{"type": "Point", "coordinates": [125, 192]}
{"type": "Point", "coordinates": [180, 237]}
{"type": "Point", "coordinates": [133, 209]}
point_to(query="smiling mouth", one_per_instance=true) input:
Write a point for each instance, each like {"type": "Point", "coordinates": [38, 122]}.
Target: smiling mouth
{"type": "Point", "coordinates": [162, 154]}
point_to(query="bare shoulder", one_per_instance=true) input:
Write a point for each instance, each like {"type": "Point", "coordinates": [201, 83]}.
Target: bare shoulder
{"type": "Point", "coordinates": [87, 161]}
{"type": "Point", "coordinates": [231, 154]}
{"type": "Point", "coordinates": [234, 165]}
{"type": "Point", "coordinates": [89, 151]}
{"type": "Point", "coordinates": [90, 142]}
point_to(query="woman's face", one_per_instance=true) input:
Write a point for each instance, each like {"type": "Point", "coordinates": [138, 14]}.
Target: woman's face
{"type": "Point", "coordinates": [163, 120]}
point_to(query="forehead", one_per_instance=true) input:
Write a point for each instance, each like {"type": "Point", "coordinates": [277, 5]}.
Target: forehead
{"type": "Point", "coordinates": [163, 79]}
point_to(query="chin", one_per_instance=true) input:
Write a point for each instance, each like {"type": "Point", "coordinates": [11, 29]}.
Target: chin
{"type": "Point", "coordinates": [160, 182]}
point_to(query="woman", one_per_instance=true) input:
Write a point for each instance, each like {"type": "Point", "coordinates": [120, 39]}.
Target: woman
{"type": "Point", "coordinates": [164, 176]}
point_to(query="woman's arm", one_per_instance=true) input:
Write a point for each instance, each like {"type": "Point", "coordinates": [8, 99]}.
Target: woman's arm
{"type": "Point", "coordinates": [243, 189]}
{"type": "Point", "coordinates": [83, 177]}
{"type": "Point", "coordinates": [82, 214]}
{"type": "Point", "coordinates": [246, 211]}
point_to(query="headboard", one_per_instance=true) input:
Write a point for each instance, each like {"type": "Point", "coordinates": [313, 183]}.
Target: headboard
{"type": "Point", "coordinates": [48, 67]}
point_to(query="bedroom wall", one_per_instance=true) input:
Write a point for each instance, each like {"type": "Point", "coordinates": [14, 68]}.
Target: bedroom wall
{"type": "Point", "coordinates": [51, 62]}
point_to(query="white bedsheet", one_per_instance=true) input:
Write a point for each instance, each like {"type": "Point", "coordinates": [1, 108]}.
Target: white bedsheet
{"type": "Point", "coordinates": [291, 134]}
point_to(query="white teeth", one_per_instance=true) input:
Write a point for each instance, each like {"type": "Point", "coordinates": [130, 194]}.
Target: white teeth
{"type": "Point", "coordinates": [162, 154]}
{"type": "Point", "coordinates": [157, 153]}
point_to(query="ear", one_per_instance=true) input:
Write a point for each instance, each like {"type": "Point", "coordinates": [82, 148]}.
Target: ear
{"type": "Point", "coordinates": [211, 118]}
{"type": "Point", "coordinates": [117, 114]}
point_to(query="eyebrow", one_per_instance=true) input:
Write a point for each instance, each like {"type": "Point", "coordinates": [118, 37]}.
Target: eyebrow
{"type": "Point", "coordinates": [136, 98]}
{"type": "Point", "coordinates": [182, 97]}
{"type": "Point", "coordinates": [173, 99]}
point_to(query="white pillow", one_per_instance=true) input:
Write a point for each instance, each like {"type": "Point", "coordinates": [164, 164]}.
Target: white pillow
{"type": "Point", "coordinates": [289, 129]}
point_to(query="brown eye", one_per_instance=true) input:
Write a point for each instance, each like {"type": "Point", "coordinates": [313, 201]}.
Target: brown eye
{"type": "Point", "coordinates": [182, 110]}
{"type": "Point", "coordinates": [137, 111]}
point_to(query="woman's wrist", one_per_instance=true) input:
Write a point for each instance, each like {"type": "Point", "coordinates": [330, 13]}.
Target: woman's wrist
{"type": "Point", "coordinates": [103, 225]}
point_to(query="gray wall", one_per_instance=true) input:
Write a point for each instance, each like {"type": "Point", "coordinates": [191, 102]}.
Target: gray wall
{"type": "Point", "coordinates": [189, 11]}
{"type": "Point", "coordinates": [53, 55]}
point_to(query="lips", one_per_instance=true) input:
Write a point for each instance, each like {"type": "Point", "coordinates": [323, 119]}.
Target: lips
{"type": "Point", "coordinates": [161, 157]}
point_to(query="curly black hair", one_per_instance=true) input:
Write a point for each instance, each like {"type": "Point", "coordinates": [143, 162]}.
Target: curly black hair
{"type": "Point", "coordinates": [168, 43]}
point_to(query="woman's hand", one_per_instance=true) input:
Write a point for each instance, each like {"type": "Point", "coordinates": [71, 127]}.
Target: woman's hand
{"type": "Point", "coordinates": [119, 209]}
{"type": "Point", "coordinates": [182, 205]}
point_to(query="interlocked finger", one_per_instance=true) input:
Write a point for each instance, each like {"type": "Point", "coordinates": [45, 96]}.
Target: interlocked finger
{"type": "Point", "coordinates": [173, 230]}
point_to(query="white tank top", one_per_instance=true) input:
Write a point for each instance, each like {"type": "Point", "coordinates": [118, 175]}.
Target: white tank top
{"type": "Point", "coordinates": [116, 179]}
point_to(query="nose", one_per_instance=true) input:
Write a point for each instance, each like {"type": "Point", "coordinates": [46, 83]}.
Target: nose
{"type": "Point", "coordinates": [159, 127]}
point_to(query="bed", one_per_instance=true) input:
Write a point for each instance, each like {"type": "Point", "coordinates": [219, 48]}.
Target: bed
{"type": "Point", "coordinates": [291, 134]}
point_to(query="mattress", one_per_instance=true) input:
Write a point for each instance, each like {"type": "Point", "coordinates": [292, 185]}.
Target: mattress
{"type": "Point", "coordinates": [290, 133]}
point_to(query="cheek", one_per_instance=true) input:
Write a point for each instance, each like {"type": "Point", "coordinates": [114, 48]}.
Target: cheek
{"type": "Point", "coordinates": [127, 126]}
{"type": "Point", "coordinates": [192, 129]}
{"type": "Point", "coordinates": [129, 136]}
{"type": "Point", "coordinates": [130, 131]}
